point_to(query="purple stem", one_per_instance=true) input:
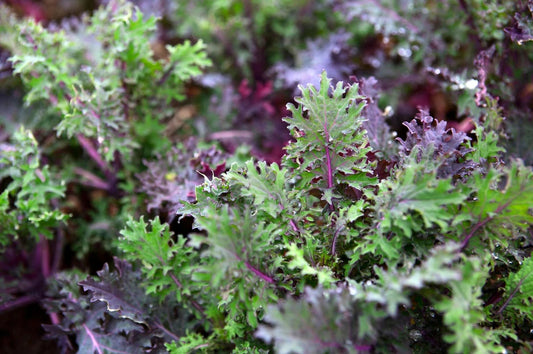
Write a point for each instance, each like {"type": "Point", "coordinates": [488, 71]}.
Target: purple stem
{"type": "Point", "coordinates": [92, 180]}
{"type": "Point", "coordinates": [45, 256]}
{"type": "Point", "coordinates": [176, 281]}
{"type": "Point", "coordinates": [291, 221]}
{"type": "Point", "coordinates": [328, 157]}
{"type": "Point", "coordinates": [161, 327]}
{"type": "Point", "coordinates": [253, 269]}
{"type": "Point", "coordinates": [58, 245]}
{"type": "Point", "coordinates": [93, 153]}
{"type": "Point", "coordinates": [506, 303]}
{"type": "Point", "coordinates": [32, 41]}
{"type": "Point", "coordinates": [336, 235]}
{"type": "Point", "coordinates": [195, 304]}
{"type": "Point", "coordinates": [362, 348]}
{"type": "Point", "coordinates": [166, 74]}
{"type": "Point", "coordinates": [96, 345]}
{"type": "Point", "coordinates": [482, 223]}
{"type": "Point", "coordinates": [200, 346]}
{"type": "Point", "coordinates": [473, 231]}
{"type": "Point", "coordinates": [259, 273]}
{"type": "Point", "coordinates": [293, 225]}
{"type": "Point", "coordinates": [21, 301]}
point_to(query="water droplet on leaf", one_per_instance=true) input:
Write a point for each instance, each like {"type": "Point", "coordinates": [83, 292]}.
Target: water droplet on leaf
{"type": "Point", "coordinates": [415, 335]}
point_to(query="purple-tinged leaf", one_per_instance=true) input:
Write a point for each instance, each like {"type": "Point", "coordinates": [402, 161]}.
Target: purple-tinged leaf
{"type": "Point", "coordinates": [117, 291]}
{"type": "Point", "coordinates": [425, 132]}
{"type": "Point", "coordinates": [522, 29]}
{"type": "Point", "coordinates": [379, 134]}
{"type": "Point", "coordinates": [331, 54]}
{"type": "Point", "coordinates": [173, 178]}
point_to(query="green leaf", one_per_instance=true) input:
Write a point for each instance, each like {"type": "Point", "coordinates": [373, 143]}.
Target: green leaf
{"type": "Point", "coordinates": [264, 184]}
{"type": "Point", "coordinates": [463, 312]}
{"type": "Point", "coordinates": [32, 189]}
{"type": "Point", "coordinates": [101, 74]}
{"type": "Point", "coordinates": [331, 144]}
{"type": "Point", "coordinates": [497, 211]}
{"type": "Point", "coordinates": [238, 255]}
{"type": "Point", "coordinates": [166, 263]}
{"type": "Point", "coordinates": [192, 343]}
{"type": "Point", "coordinates": [394, 286]}
{"type": "Point", "coordinates": [188, 60]}
{"type": "Point", "coordinates": [324, 275]}
{"type": "Point", "coordinates": [519, 293]}
{"type": "Point", "coordinates": [417, 194]}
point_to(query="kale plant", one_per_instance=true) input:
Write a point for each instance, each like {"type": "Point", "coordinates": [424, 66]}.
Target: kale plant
{"type": "Point", "coordinates": [321, 254]}
{"type": "Point", "coordinates": [102, 77]}
{"type": "Point", "coordinates": [355, 242]}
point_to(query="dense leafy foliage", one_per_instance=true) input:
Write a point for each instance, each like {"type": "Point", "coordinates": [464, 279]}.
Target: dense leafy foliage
{"type": "Point", "coordinates": [113, 313]}
{"type": "Point", "coordinates": [361, 235]}
{"type": "Point", "coordinates": [27, 196]}
{"type": "Point", "coordinates": [333, 226]}
{"type": "Point", "coordinates": [101, 85]}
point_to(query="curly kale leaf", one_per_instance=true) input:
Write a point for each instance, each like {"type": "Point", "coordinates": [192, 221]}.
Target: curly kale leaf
{"type": "Point", "coordinates": [463, 311]}
{"type": "Point", "coordinates": [522, 29]}
{"type": "Point", "coordinates": [102, 78]}
{"type": "Point", "coordinates": [519, 289]}
{"type": "Point", "coordinates": [416, 198]}
{"type": "Point", "coordinates": [173, 178]}
{"type": "Point", "coordinates": [166, 262]}
{"type": "Point", "coordinates": [239, 261]}
{"type": "Point", "coordinates": [502, 205]}
{"type": "Point", "coordinates": [425, 132]}
{"type": "Point", "coordinates": [117, 290]}
{"type": "Point", "coordinates": [379, 134]}
{"type": "Point", "coordinates": [32, 189]}
{"type": "Point", "coordinates": [114, 315]}
{"type": "Point", "coordinates": [331, 144]}
{"type": "Point", "coordinates": [265, 185]}
{"type": "Point", "coordinates": [321, 321]}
